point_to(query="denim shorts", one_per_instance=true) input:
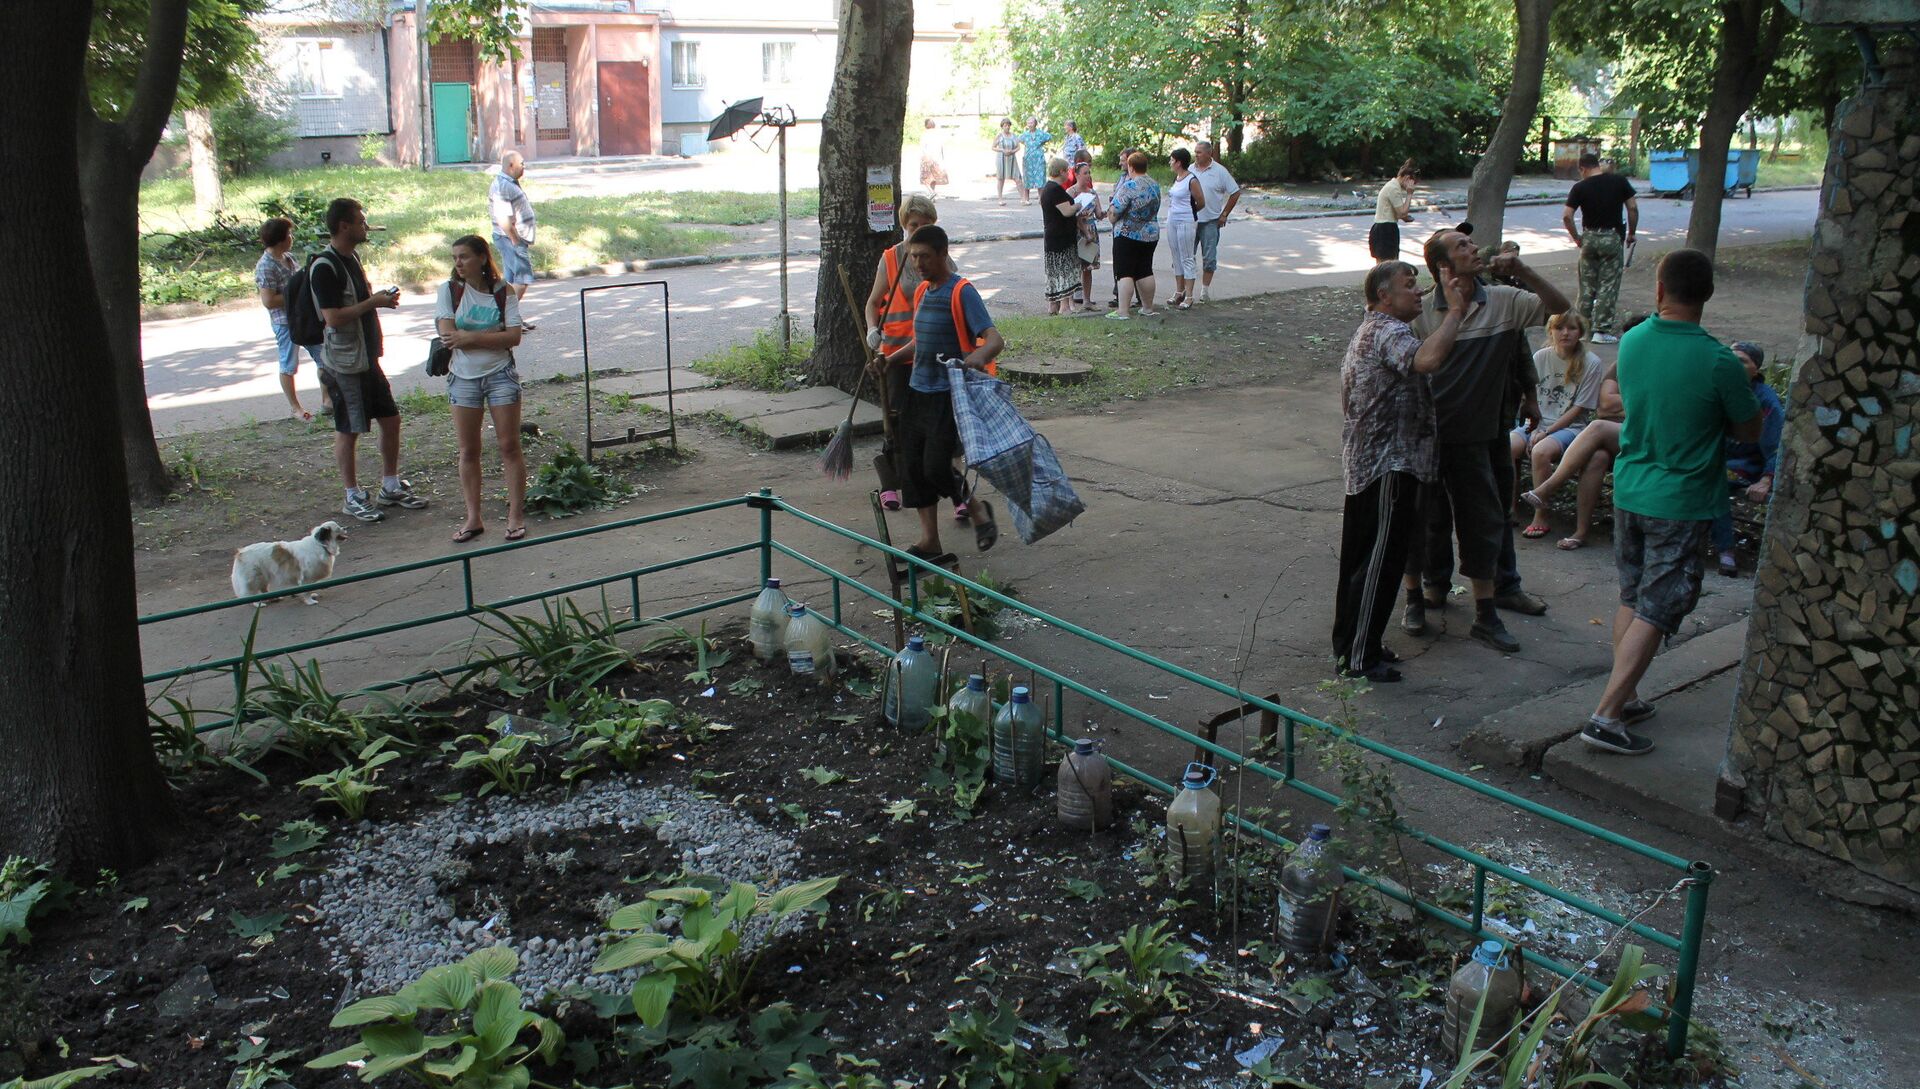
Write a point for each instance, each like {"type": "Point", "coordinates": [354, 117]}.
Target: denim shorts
{"type": "Point", "coordinates": [516, 261]}
{"type": "Point", "coordinates": [1207, 235]}
{"type": "Point", "coordinates": [1564, 436]}
{"type": "Point", "coordinates": [289, 351]}
{"type": "Point", "coordinates": [1660, 563]}
{"type": "Point", "coordinates": [502, 387]}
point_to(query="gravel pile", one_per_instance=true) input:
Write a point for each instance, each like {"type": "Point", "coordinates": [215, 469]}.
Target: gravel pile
{"type": "Point", "coordinates": [387, 919]}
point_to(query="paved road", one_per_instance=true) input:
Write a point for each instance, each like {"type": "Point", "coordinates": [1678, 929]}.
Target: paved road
{"type": "Point", "coordinates": [217, 369]}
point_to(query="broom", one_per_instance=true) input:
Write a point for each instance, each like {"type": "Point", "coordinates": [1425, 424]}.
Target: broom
{"type": "Point", "coordinates": [836, 461]}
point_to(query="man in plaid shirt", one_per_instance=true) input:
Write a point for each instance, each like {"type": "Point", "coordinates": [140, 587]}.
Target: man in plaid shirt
{"type": "Point", "coordinates": [1387, 440]}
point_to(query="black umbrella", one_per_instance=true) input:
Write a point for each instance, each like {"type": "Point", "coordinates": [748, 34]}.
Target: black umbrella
{"type": "Point", "coordinates": [734, 118]}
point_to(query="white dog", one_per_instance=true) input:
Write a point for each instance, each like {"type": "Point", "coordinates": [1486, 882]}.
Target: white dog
{"type": "Point", "coordinates": [277, 565]}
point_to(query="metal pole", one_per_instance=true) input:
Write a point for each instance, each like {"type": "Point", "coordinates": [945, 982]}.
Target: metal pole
{"type": "Point", "coordinates": [766, 537]}
{"type": "Point", "coordinates": [426, 84]}
{"type": "Point", "coordinates": [1699, 879]}
{"type": "Point", "coordinates": [786, 323]}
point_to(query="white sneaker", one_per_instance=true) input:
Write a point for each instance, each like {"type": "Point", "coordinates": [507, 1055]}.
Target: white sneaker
{"type": "Point", "coordinates": [1605, 338]}
{"type": "Point", "coordinates": [1206, 295]}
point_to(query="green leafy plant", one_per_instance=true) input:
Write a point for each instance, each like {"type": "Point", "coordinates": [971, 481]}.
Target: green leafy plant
{"type": "Point", "coordinates": [689, 941]}
{"type": "Point", "coordinates": [569, 484]}
{"type": "Point", "coordinates": [848, 1072]}
{"type": "Point", "coordinates": [763, 364]}
{"type": "Point", "coordinates": [255, 1066]}
{"type": "Point", "coordinates": [61, 1080]}
{"type": "Point", "coordinates": [26, 889]}
{"type": "Point", "coordinates": [255, 927]}
{"type": "Point", "coordinates": [707, 653]}
{"type": "Point", "coordinates": [313, 720]}
{"type": "Point", "coordinates": [1624, 1000]}
{"type": "Point", "coordinates": [351, 786]}
{"type": "Point", "coordinates": [295, 837]}
{"type": "Point", "coordinates": [502, 755]}
{"type": "Point", "coordinates": [964, 757]}
{"type": "Point", "coordinates": [822, 775]}
{"type": "Point", "coordinates": [719, 1055]}
{"type": "Point", "coordinates": [1083, 890]}
{"type": "Point", "coordinates": [1147, 979]}
{"type": "Point", "coordinates": [629, 735]}
{"type": "Point", "coordinates": [989, 1056]}
{"type": "Point", "coordinates": [562, 649]}
{"type": "Point", "coordinates": [481, 1046]}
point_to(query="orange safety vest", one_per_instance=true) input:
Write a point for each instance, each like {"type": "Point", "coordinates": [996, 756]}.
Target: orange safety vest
{"type": "Point", "coordinates": [965, 335]}
{"type": "Point", "coordinates": [896, 321]}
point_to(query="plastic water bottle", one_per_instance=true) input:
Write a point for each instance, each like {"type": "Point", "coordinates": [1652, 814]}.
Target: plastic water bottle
{"type": "Point", "coordinates": [908, 698]}
{"type": "Point", "coordinates": [972, 700]}
{"type": "Point", "coordinates": [767, 622]}
{"type": "Point", "coordinates": [1019, 743]}
{"type": "Point", "coordinates": [809, 651]}
{"type": "Point", "coordinates": [1084, 788]}
{"type": "Point", "coordinates": [1193, 822]}
{"type": "Point", "coordinates": [1487, 974]}
{"type": "Point", "coordinates": [1310, 896]}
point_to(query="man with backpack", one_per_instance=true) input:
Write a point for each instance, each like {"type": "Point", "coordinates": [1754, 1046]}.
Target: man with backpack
{"type": "Point", "coordinates": [350, 347]}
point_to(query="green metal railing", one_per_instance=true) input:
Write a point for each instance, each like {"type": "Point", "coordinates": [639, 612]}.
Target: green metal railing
{"type": "Point", "coordinates": [1696, 877]}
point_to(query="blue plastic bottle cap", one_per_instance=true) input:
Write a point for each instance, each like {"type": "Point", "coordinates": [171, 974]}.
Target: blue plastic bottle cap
{"type": "Point", "coordinates": [976, 683]}
{"type": "Point", "coordinates": [1319, 832]}
{"type": "Point", "coordinates": [1020, 695]}
{"type": "Point", "coordinates": [1488, 954]}
{"type": "Point", "coordinates": [1083, 746]}
{"type": "Point", "coordinates": [773, 584]}
{"type": "Point", "coordinates": [916, 643]}
{"type": "Point", "coordinates": [1194, 781]}
{"type": "Point", "coordinates": [796, 609]}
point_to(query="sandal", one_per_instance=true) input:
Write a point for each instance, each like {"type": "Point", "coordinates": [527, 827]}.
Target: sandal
{"type": "Point", "coordinates": [1534, 533]}
{"type": "Point", "coordinates": [987, 533]}
{"type": "Point", "coordinates": [516, 533]}
{"type": "Point", "coordinates": [1178, 298]}
{"type": "Point", "coordinates": [890, 499]}
{"type": "Point", "coordinates": [1185, 304]}
{"type": "Point", "coordinates": [466, 535]}
{"type": "Point", "coordinates": [938, 559]}
{"type": "Point", "coordinates": [1571, 544]}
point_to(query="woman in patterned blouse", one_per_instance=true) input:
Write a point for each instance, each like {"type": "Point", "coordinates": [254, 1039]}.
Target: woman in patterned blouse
{"type": "Point", "coordinates": [1135, 211]}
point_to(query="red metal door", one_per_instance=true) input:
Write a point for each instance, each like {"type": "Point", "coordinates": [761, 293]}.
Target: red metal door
{"type": "Point", "coordinates": [625, 108]}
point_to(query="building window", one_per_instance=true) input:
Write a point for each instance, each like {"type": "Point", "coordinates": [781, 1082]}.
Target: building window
{"type": "Point", "coordinates": [776, 63]}
{"type": "Point", "coordinates": [316, 67]}
{"type": "Point", "coordinates": [686, 65]}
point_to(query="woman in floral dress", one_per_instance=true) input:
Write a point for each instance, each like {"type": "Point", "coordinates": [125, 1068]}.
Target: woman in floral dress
{"type": "Point", "coordinates": [1033, 162]}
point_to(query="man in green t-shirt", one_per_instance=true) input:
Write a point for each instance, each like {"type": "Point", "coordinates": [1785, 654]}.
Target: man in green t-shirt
{"type": "Point", "coordinates": [1683, 392]}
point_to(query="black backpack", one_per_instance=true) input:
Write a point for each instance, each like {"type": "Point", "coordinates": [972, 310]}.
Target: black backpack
{"type": "Point", "coordinates": [304, 323]}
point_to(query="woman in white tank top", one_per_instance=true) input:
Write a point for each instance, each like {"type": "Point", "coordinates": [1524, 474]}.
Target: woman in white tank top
{"type": "Point", "coordinates": [1184, 198]}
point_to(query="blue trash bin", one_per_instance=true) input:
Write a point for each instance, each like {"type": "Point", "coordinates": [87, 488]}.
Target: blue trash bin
{"type": "Point", "coordinates": [1671, 173]}
{"type": "Point", "coordinates": [1743, 169]}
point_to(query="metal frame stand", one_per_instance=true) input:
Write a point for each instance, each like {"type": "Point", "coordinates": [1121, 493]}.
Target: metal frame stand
{"type": "Point", "coordinates": [633, 434]}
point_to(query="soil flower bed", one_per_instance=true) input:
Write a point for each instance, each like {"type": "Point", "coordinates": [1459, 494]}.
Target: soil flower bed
{"type": "Point", "coordinates": [474, 862]}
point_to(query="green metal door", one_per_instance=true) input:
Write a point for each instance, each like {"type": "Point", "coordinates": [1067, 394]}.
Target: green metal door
{"type": "Point", "coordinates": [452, 105]}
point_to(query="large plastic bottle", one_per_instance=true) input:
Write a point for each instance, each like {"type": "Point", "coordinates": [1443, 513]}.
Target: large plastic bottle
{"type": "Point", "coordinates": [1193, 823]}
{"type": "Point", "coordinates": [972, 699]}
{"type": "Point", "coordinates": [1488, 973]}
{"type": "Point", "coordinates": [767, 622]}
{"type": "Point", "coordinates": [1084, 788]}
{"type": "Point", "coordinates": [1310, 896]}
{"type": "Point", "coordinates": [908, 697]}
{"type": "Point", "coordinates": [1019, 743]}
{"type": "Point", "coordinates": [809, 650]}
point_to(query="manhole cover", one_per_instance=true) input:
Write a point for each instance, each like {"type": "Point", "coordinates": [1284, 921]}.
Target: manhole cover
{"type": "Point", "coordinates": [1046, 372]}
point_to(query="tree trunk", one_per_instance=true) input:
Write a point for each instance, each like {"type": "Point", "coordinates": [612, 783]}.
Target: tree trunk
{"type": "Point", "coordinates": [1750, 34]}
{"type": "Point", "coordinates": [79, 784]}
{"type": "Point", "coordinates": [204, 155]}
{"type": "Point", "coordinates": [112, 154]}
{"type": "Point", "coordinates": [861, 128]}
{"type": "Point", "coordinates": [1493, 174]}
{"type": "Point", "coordinates": [110, 191]}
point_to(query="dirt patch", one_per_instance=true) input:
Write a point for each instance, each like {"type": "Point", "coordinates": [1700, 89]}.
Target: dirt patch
{"type": "Point", "coordinates": [933, 914]}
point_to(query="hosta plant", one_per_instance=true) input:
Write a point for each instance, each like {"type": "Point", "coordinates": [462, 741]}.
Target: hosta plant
{"type": "Point", "coordinates": [502, 755]}
{"type": "Point", "coordinates": [688, 941]}
{"type": "Point", "coordinates": [482, 1045]}
{"type": "Point", "coordinates": [351, 786]}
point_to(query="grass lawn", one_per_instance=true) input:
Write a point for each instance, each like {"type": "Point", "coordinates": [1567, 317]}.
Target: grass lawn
{"type": "Point", "coordinates": [423, 213]}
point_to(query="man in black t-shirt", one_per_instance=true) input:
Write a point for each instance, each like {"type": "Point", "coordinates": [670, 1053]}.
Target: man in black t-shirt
{"type": "Point", "coordinates": [350, 363]}
{"type": "Point", "coordinates": [1600, 196]}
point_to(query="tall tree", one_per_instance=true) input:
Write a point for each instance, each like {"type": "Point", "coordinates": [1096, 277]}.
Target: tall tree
{"type": "Point", "coordinates": [141, 57]}
{"type": "Point", "coordinates": [861, 129]}
{"type": "Point", "coordinates": [1750, 35]}
{"type": "Point", "coordinates": [79, 783]}
{"type": "Point", "coordinates": [1487, 193]}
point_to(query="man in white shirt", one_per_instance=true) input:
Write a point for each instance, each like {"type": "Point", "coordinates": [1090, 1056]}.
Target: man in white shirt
{"type": "Point", "coordinates": [513, 225]}
{"type": "Point", "coordinates": [1222, 194]}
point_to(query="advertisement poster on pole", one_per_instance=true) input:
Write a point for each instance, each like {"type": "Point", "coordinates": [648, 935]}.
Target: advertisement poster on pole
{"type": "Point", "coordinates": [880, 199]}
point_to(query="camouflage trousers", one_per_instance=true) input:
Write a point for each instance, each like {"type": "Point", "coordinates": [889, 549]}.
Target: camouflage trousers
{"type": "Point", "coordinates": [1602, 255]}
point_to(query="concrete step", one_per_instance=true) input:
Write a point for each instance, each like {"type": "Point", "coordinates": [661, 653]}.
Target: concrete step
{"type": "Point", "coordinates": [649, 383]}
